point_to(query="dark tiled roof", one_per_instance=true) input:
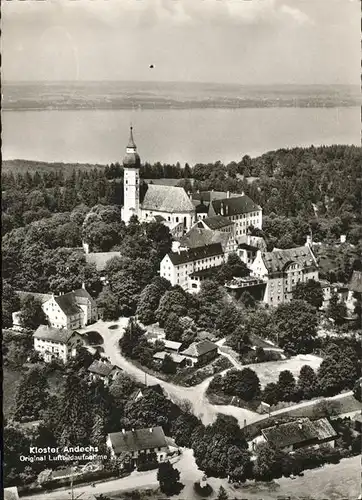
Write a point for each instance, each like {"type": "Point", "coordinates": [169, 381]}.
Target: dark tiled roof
{"type": "Point", "coordinates": [199, 348]}
{"type": "Point", "coordinates": [201, 209]}
{"type": "Point", "coordinates": [82, 293]}
{"type": "Point", "coordinates": [355, 284]}
{"type": "Point", "coordinates": [100, 259]}
{"type": "Point", "coordinates": [99, 368]}
{"type": "Point", "coordinates": [169, 199]}
{"type": "Point", "coordinates": [197, 237]}
{"type": "Point", "coordinates": [68, 304]}
{"type": "Point", "coordinates": [54, 334]}
{"type": "Point", "coordinates": [247, 247]}
{"type": "Point", "coordinates": [217, 222]}
{"type": "Point", "coordinates": [208, 196]}
{"type": "Point", "coordinates": [234, 206]}
{"type": "Point", "coordinates": [277, 260]}
{"type": "Point", "coordinates": [298, 432]}
{"type": "Point", "coordinates": [204, 273]}
{"type": "Point", "coordinates": [139, 439]}
{"type": "Point", "coordinates": [176, 358]}
{"type": "Point", "coordinates": [159, 218]}
{"type": "Point", "coordinates": [195, 254]}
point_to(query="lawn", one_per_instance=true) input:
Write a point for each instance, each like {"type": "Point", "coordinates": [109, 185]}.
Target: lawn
{"type": "Point", "coordinates": [269, 371]}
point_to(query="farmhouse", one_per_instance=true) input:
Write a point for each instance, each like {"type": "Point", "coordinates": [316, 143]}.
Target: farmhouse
{"type": "Point", "coordinates": [53, 343]}
{"type": "Point", "coordinates": [298, 434]}
{"type": "Point", "coordinates": [105, 371]}
{"type": "Point", "coordinates": [137, 442]}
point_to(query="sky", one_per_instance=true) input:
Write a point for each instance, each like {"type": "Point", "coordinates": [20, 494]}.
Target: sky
{"type": "Point", "coordinates": [223, 41]}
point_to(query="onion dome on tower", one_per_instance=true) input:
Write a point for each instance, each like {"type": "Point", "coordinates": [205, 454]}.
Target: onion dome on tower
{"type": "Point", "coordinates": [131, 158]}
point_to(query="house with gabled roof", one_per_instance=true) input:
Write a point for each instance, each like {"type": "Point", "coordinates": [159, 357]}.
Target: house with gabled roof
{"type": "Point", "coordinates": [71, 310]}
{"type": "Point", "coordinates": [201, 352]}
{"type": "Point", "coordinates": [54, 343]}
{"type": "Point", "coordinates": [137, 442]}
{"type": "Point", "coordinates": [299, 433]}
{"type": "Point", "coordinates": [104, 371]}
{"type": "Point", "coordinates": [282, 270]}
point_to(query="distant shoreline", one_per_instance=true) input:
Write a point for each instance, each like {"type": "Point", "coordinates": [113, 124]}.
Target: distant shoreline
{"type": "Point", "coordinates": [178, 108]}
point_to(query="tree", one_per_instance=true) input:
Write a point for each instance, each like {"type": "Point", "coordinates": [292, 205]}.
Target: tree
{"type": "Point", "coordinates": [307, 382]}
{"type": "Point", "coordinates": [335, 373]}
{"type": "Point", "coordinates": [10, 303]}
{"type": "Point", "coordinates": [107, 303]}
{"type": "Point", "coordinates": [173, 301]}
{"type": "Point", "coordinates": [168, 365]}
{"type": "Point", "coordinates": [168, 477]}
{"type": "Point", "coordinates": [357, 389]}
{"type": "Point", "coordinates": [173, 329]}
{"type": "Point", "coordinates": [295, 326]}
{"type": "Point", "coordinates": [227, 319]}
{"type": "Point", "coordinates": [148, 303]}
{"type": "Point", "coordinates": [243, 383]}
{"type": "Point", "coordinates": [32, 396]}
{"type": "Point", "coordinates": [131, 337]}
{"type": "Point", "coordinates": [271, 393]}
{"type": "Point", "coordinates": [234, 267]}
{"type": "Point", "coordinates": [337, 309]}
{"type": "Point", "coordinates": [31, 313]}
{"type": "Point", "coordinates": [286, 385]}
{"type": "Point", "coordinates": [70, 416]}
{"type": "Point", "coordinates": [268, 464]}
{"type": "Point", "coordinates": [126, 289]}
{"type": "Point", "coordinates": [247, 299]}
{"type": "Point", "coordinates": [15, 442]}
{"type": "Point", "coordinates": [222, 495]}
{"type": "Point", "coordinates": [310, 292]}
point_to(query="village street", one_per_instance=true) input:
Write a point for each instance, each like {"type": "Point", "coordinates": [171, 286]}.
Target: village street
{"type": "Point", "coordinates": [333, 481]}
{"type": "Point", "coordinates": [196, 395]}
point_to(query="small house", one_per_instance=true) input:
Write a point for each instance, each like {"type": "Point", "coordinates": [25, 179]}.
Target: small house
{"type": "Point", "coordinates": [180, 361]}
{"type": "Point", "coordinates": [297, 434]}
{"type": "Point", "coordinates": [137, 442]}
{"type": "Point", "coordinates": [201, 352]}
{"type": "Point", "coordinates": [105, 371]}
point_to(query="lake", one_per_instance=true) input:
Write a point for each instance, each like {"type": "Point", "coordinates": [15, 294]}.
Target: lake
{"type": "Point", "coordinates": [195, 135]}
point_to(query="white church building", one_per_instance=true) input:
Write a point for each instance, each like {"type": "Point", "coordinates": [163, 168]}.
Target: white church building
{"type": "Point", "coordinates": [168, 204]}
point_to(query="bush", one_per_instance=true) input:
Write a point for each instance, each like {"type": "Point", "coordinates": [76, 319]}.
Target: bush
{"type": "Point", "coordinates": [203, 492]}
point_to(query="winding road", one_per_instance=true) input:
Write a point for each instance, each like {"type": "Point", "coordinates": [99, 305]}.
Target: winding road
{"type": "Point", "coordinates": [196, 395]}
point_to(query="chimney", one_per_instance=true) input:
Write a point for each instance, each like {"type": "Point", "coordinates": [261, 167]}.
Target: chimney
{"type": "Point", "coordinates": [244, 422]}
{"type": "Point", "coordinates": [343, 238]}
{"type": "Point", "coordinates": [228, 194]}
{"type": "Point", "coordinates": [151, 430]}
{"type": "Point", "coordinates": [123, 431]}
{"type": "Point", "coordinates": [132, 429]}
{"type": "Point", "coordinates": [83, 285]}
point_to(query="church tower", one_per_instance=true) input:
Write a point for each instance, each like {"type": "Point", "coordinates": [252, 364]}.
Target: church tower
{"type": "Point", "coordinates": [131, 180]}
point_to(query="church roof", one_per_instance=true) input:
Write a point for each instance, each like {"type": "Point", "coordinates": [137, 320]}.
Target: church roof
{"type": "Point", "coordinates": [169, 199]}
